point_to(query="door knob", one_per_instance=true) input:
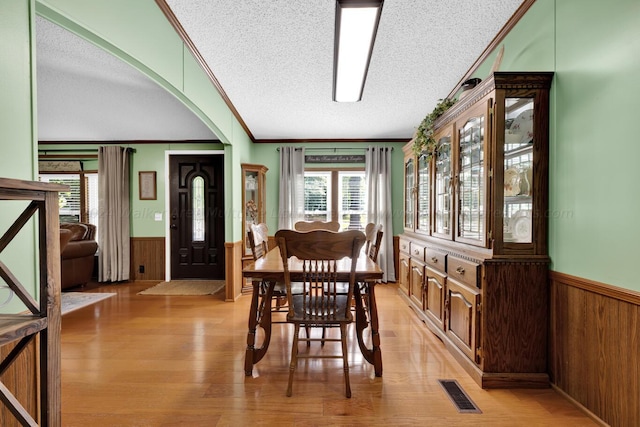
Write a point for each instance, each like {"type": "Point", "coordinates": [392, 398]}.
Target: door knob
{"type": "Point", "coordinates": [173, 226]}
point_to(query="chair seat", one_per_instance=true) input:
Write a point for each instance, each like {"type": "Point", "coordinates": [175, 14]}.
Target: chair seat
{"type": "Point", "coordinates": [319, 313]}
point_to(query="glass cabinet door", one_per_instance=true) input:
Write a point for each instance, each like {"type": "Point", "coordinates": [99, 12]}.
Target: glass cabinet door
{"type": "Point", "coordinates": [409, 184]}
{"type": "Point", "coordinates": [424, 203]}
{"type": "Point", "coordinates": [442, 185]}
{"type": "Point", "coordinates": [519, 139]}
{"type": "Point", "coordinates": [471, 185]}
{"type": "Point", "coordinates": [251, 202]}
{"type": "Point", "coordinates": [253, 188]}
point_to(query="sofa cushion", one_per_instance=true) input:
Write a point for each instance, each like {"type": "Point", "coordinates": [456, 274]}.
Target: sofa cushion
{"type": "Point", "coordinates": [65, 237]}
{"type": "Point", "coordinates": [79, 249]}
{"type": "Point", "coordinates": [78, 231]}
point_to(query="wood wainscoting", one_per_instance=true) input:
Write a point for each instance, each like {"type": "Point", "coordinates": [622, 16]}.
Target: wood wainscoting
{"type": "Point", "coordinates": [594, 347]}
{"type": "Point", "coordinates": [148, 252]}
{"type": "Point", "coordinates": [233, 270]}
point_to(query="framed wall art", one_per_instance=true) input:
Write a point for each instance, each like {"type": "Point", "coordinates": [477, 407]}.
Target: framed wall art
{"type": "Point", "coordinates": [147, 182]}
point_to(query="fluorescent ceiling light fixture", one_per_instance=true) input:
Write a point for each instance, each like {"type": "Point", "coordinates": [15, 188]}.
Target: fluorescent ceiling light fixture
{"type": "Point", "coordinates": [356, 28]}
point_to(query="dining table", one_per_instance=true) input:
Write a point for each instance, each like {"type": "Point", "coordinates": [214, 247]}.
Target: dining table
{"type": "Point", "coordinates": [269, 270]}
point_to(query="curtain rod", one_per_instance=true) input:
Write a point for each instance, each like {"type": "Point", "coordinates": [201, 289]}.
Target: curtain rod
{"type": "Point", "coordinates": [79, 150]}
{"type": "Point", "coordinates": [334, 149]}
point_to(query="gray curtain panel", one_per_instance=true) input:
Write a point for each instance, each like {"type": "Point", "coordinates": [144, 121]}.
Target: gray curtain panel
{"type": "Point", "coordinates": [291, 206]}
{"type": "Point", "coordinates": [379, 207]}
{"type": "Point", "coordinates": [114, 200]}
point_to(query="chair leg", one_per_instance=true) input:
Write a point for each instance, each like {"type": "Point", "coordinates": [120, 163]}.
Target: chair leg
{"type": "Point", "coordinates": [345, 362]}
{"type": "Point", "coordinates": [294, 359]}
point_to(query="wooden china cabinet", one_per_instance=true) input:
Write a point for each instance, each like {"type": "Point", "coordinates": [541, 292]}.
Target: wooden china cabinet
{"type": "Point", "coordinates": [473, 255]}
{"type": "Point", "coordinates": [253, 206]}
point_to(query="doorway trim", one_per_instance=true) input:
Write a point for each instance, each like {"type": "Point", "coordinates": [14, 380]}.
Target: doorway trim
{"type": "Point", "coordinates": [167, 191]}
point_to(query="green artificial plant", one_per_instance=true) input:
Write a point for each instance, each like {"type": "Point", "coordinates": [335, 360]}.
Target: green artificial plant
{"type": "Point", "coordinates": [424, 141]}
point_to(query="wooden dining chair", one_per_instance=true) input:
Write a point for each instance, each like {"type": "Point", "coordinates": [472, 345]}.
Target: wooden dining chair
{"type": "Point", "coordinates": [258, 240]}
{"type": "Point", "coordinates": [373, 238]}
{"type": "Point", "coordinates": [373, 235]}
{"type": "Point", "coordinates": [320, 305]}
{"type": "Point", "coordinates": [317, 225]}
{"type": "Point", "coordinates": [258, 237]}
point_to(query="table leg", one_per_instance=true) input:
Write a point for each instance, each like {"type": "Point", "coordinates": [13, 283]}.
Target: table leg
{"type": "Point", "coordinates": [375, 335]}
{"type": "Point", "coordinates": [259, 314]}
{"type": "Point", "coordinates": [371, 355]}
{"type": "Point", "coordinates": [361, 324]}
{"type": "Point", "coordinates": [251, 334]}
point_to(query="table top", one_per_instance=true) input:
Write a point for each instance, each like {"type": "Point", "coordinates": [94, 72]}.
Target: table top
{"type": "Point", "coordinates": [270, 266]}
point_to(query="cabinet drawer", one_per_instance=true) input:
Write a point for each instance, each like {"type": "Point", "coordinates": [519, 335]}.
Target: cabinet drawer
{"type": "Point", "coordinates": [417, 251]}
{"type": "Point", "coordinates": [404, 246]}
{"type": "Point", "coordinates": [436, 259]}
{"type": "Point", "coordinates": [464, 271]}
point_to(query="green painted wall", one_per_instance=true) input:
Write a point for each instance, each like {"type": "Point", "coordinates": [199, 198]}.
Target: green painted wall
{"type": "Point", "coordinates": [594, 49]}
{"type": "Point", "coordinates": [595, 151]}
{"type": "Point", "coordinates": [17, 110]}
{"type": "Point", "coordinates": [17, 127]}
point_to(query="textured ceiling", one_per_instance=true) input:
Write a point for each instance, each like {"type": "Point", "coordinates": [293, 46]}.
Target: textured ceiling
{"type": "Point", "coordinates": [274, 60]}
{"type": "Point", "coordinates": [87, 94]}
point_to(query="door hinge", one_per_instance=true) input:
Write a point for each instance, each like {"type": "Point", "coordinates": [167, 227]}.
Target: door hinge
{"type": "Point", "coordinates": [479, 355]}
{"type": "Point", "coordinates": [489, 235]}
{"type": "Point", "coordinates": [479, 307]}
{"type": "Point", "coordinates": [491, 173]}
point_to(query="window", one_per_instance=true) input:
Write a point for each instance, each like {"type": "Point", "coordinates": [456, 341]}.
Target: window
{"type": "Point", "coordinates": [336, 195]}
{"type": "Point", "coordinates": [317, 196]}
{"type": "Point", "coordinates": [80, 203]}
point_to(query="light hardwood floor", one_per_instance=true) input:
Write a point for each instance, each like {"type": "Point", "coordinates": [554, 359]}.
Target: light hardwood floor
{"type": "Point", "coordinates": [142, 360]}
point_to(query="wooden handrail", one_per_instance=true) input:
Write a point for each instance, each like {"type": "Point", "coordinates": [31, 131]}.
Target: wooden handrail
{"type": "Point", "coordinates": [44, 318]}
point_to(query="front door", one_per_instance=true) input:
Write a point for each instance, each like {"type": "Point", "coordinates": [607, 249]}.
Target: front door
{"type": "Point", "coordinates": [196, 219]}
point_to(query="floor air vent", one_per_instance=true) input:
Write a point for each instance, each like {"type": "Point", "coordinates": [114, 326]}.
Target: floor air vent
{"type": "Point", "coordinates": [459, 398]}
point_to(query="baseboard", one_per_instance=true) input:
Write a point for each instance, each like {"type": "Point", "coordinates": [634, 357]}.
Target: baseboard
{"type": "Point", "coordinates": [590, 414]}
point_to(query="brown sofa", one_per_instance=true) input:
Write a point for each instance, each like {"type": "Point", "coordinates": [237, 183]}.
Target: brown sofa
{"type": "Point", "coordinates": [77, 255]}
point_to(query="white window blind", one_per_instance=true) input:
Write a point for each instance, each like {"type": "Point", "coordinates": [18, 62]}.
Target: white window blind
{"type": "Point", "coordinates": [317, 196]}
{"type": "Point", "coordinates": [352, 200]}
{"type": "Point", "coordinates": [69, 202]}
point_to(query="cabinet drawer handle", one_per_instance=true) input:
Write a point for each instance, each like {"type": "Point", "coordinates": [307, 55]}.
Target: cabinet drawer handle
{"type": "Point", "coordinates": [434, 259]}
{"type": "Point", "coordinates": [417, 252]}
{"type": "Point", "coordinates": [460, 270]}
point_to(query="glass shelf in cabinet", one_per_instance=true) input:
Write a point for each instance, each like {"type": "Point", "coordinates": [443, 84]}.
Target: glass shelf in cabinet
{"type": "Point", "coordinates": [518, 150]}
{"type": "Point", "coordinates": [518, 199]}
